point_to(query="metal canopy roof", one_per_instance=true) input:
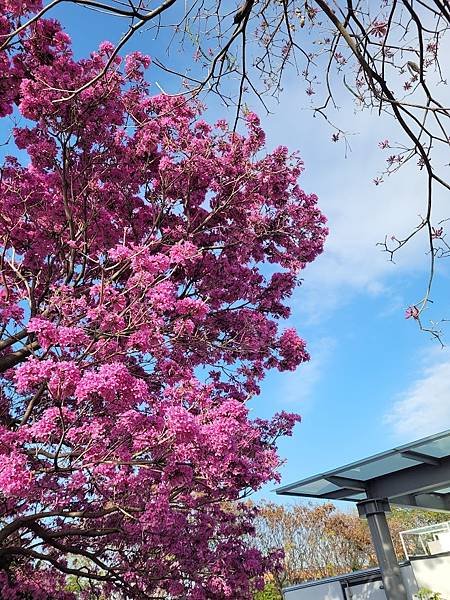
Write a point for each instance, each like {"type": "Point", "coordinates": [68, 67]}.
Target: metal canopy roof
{"type": "Point", "coordinates": [416, 474]}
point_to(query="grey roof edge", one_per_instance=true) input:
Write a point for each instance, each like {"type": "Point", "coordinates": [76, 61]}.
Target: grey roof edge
{"type": "Point", "coordinates": [410, 446]}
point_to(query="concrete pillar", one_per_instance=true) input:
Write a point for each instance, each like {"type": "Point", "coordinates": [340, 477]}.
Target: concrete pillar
{"type": "Point", "coordinates": [374, 510]}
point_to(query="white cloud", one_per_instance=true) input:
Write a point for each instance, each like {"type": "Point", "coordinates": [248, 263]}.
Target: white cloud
{"type": "Point", "coordinates": [360, 214]}
{"type": "Point", "coordinates": [424, 408]}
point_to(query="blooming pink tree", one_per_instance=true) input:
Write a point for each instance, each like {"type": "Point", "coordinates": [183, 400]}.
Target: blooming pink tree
{"type": "Point", "coordinates": [146, 261]}
{"type": "Point", "coordinates": [383, 57]}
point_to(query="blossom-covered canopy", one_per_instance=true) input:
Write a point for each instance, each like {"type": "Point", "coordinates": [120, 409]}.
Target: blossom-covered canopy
{"type": "Point", "coordinates": [146, 261]}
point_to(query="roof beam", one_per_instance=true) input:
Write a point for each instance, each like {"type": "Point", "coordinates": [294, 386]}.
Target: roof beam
{"type": "Point", "coordinates": [345, 482]}
{"type": "Point", "coordinates": [439, 502]}
{"type": "Point", "coordinates": [421, 458]}
{"type": "Point", "coordinates": [297, 494]}
{"type": "Point", "coordinates": [339, 495]}
{"type": "Point", "coordinates": [421, 478]}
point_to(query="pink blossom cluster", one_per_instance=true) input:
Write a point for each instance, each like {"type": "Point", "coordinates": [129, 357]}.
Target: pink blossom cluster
{"type": "Point", "coordinates": [147, 263]}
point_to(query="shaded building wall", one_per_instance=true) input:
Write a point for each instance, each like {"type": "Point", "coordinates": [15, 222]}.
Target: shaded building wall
{"type": "Point", "coordinates": [433, 572]}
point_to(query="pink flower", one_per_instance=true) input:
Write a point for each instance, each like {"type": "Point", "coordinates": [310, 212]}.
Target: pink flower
{"type": "Point", "coordinates": [379, 29]}
{"type": "Point", "coordinates": [140, 239]}
{"type": "Point", "coordinates": [182, 252]}
{"type": "Point", "coordinates": [412, 312]}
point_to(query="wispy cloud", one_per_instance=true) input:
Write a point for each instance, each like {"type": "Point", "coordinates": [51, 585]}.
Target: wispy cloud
{"type": "Point", "coordinates": [360, 214]}
{"type": "Point", "coordinates": [424, 408]}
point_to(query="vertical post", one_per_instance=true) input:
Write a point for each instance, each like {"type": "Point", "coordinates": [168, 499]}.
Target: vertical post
{"type": "Point", "coordinates": [374, 510]}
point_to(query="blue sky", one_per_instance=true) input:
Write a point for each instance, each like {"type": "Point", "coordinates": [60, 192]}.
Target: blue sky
{"type": "Point", "coordinates": [374, 380]}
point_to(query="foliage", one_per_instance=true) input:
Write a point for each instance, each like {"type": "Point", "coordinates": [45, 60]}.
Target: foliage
{"type": "Point", "coordinates": [270, 592]}
{"type": "Point", "coordinates": [146, 262]}
{"type": "Point", "coordinates": [321, 541]}
{"type": "Point", "coordinates": [427, 594]}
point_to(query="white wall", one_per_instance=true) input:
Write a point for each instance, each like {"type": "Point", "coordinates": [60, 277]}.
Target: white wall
{"type": "Point", "coordinates": [433, 573]}
{"type": "Point", "coordinates": [323, 591]}
{"type": "Point", "coordinates": [372, 590]}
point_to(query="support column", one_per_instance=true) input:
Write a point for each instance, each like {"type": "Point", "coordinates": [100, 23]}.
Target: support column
{"type": "Point", "coordinates": [374, 510]}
